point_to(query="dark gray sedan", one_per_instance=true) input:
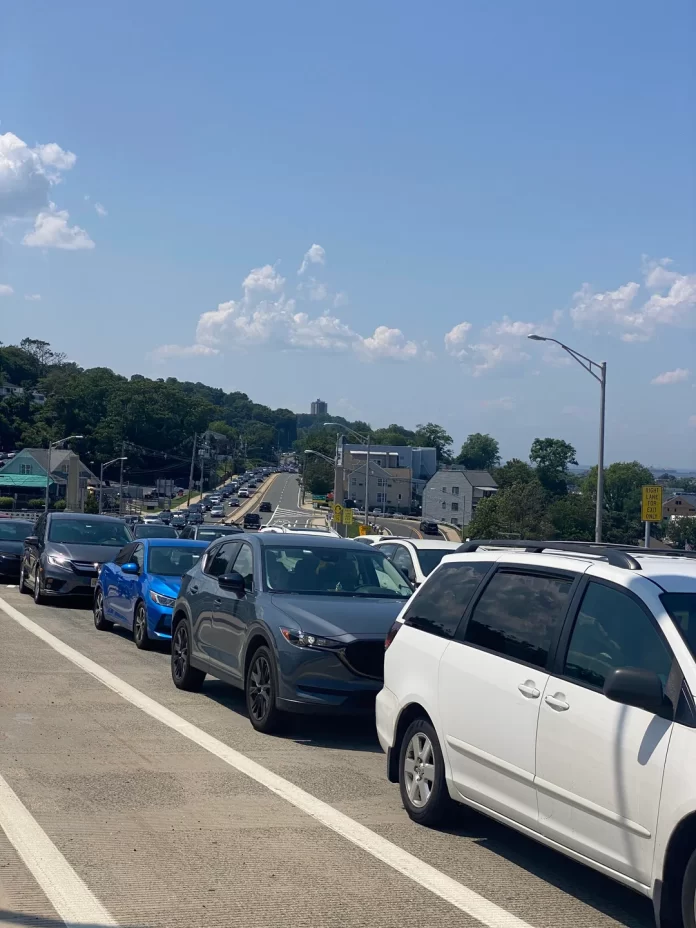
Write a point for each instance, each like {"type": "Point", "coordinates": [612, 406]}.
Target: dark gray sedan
{"type": "Point", "coordinates": [297, 621]}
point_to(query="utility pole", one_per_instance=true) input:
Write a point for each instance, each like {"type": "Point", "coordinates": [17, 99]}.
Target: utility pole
{"type": "Point", "coordinates": [193, 462]}
{"type": "Point", "coordinates": [120, 480]}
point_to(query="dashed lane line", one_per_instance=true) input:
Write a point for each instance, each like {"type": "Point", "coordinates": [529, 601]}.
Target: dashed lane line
{"type": "Point", "coordinates": [421, 873]}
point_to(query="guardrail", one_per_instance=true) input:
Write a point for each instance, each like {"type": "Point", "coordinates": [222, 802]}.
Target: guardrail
{"type": "Point", "coordinates": [31, 514]}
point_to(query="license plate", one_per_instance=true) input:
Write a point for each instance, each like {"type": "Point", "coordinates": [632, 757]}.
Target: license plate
{"type": "Point", "coordinates": [93, 581]}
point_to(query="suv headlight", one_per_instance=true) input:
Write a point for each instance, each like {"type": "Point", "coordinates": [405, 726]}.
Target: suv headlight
{"type": "Point", "coordinates": [59, 560]}
{"type": "Point", "coordinates": [162, 600]}
{"type": "Point", "coordinates": [306, 640]}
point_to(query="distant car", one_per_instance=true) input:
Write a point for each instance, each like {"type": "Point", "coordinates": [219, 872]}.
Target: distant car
{"type": "Point", "coordinates": [368, 539]}
{"type": "Point", "coordinates": [153, 530]}
{"type": "Point", "coordinates": [178, 519]}
{"type": "Point", "coordinates": [429, 528]}
{"type": "Point", "coordinates": [265, 507]}
{"type": "Point", "coordinates": [233, 502]}
{"type": "Point", "coordinates": [252, 520]}
{"type": "Point", "coordinates": [196, 517]}
{"type": "Point", "coordinates": [208, 532]}
{"type": "Point", "coordinates": [12, 535]}
{"type": "Point", "coordinates": [139, 587]}
{"type": "Point", "coordinates": [376, 511]}
{"type": "Point", "coordinates": [243, 493]}
{"type": "Point", "coordinates": [217, 512]}
{"type": "Point", "coordinates": [64, 553]}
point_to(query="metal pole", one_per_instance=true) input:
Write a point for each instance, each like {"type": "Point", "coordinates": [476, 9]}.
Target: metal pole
{"type": "Point", "coordinates": [193, 461]}
{"type": "Point", "coordinates": [101, 486]}
{"type": "Point", "coordinates": [48, 477]}
{"type": "Point", "coordinates": [367, 478]}
{"type": "Point", "coordinates": [600, 459]}
{"type": "Point", "coordinates": [647, 535]}
{"type": "Point", "coordinates": [120, 481]}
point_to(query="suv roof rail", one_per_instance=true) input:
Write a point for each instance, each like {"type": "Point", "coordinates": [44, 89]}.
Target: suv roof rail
{"type": "Point", "coordinates": [616, 555]}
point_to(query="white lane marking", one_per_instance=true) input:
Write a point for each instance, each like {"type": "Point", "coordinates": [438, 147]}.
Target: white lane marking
{"type": "Point", "coordinates": [458, 895]}
{"type": "Point", "coordinates": [67, 893]}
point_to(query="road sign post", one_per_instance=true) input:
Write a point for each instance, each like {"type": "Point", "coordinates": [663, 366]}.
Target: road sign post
{"type": "Point", "coordinates": [651, 508]}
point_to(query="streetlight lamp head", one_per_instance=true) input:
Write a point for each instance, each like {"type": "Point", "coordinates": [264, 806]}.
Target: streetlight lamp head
{"type": "Point", "coordinates": [537, 338]}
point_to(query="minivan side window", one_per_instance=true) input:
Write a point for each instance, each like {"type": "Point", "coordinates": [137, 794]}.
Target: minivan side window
{"type": "Point", "coordinates": [441, 602]}
{"type": "Point", "coordinates": [611, 631]}
{"type": "Point", "coordinates": [518, 614]}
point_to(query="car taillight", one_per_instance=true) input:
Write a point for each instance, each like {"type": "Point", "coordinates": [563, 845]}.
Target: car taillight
{"type": "Point", "coordinates": [391, 635]}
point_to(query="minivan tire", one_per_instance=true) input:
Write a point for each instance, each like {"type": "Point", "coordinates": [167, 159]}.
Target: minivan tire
{"type": "Point", "coordinates": [688, 896]}
{"type": "Point", "coordinates": [425, 797]}
{"type": "Point", "coordinates": [39, 597]}
{"type": "Point", "coordinates": [23, 581]}
{"type": "Point", "coordinates": [261, 690]}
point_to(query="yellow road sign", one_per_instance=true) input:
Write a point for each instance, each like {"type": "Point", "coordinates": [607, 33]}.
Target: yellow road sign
{"type": "Point", "coordinates": [651, 505]}
{"type": "Point", "coordinates": [347, 516]}
{"type": "Point", "coordinates": [337, 512]}
{"type": "Point", "coordinates": [363, 530]}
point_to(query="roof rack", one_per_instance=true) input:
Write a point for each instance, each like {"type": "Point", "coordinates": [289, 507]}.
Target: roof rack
{"type": "Point", "coordinates": [616, 555]}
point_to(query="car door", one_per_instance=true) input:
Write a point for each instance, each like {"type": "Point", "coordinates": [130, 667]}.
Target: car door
{"type": "Point", "coordinates": [490, 683]}
{"type": "Point", "coordinates": [201, 594]}
{"type": "Point", "coordinates": [403, 560]}
{"type": "Point", "coordinates": [235, 612]}
{"type": "Point", "coordinates": [110, 580]}
{"type": "Point", "coordinates": [32, 552]}
{"type": "Point", "coordinates": [129, 585]}
{"type": "Point", "coordinates": [600, 763]}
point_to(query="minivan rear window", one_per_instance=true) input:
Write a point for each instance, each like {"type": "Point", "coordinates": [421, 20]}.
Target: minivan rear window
{"type": "Point", "coordinates": [439, 605]}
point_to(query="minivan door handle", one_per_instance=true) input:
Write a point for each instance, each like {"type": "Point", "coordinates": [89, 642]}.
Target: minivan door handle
{"type": "Point", "coordinates": [529, 690]}
{"type": "Point", "coordinates": [557, 702]}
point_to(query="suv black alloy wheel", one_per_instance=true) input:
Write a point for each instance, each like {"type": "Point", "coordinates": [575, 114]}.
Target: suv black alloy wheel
{"type": "Point", "coordinates": [185, 676]}
{"type": "Point", "coordinates": [260, 691]}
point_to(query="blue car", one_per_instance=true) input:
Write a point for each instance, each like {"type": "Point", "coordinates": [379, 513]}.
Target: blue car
{"type": "Point", "coordinates": [139, 587]}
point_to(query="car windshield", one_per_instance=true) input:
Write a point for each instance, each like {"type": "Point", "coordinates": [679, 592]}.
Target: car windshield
{"type": "Point", "coordinates": [154, 531]}
{"type": "Point", "coordinates": [15, 531]}
{"type": "Point", "coordinates": [210, 534]}
{"type": "Point", "coordinates": [173, 561]}
{"type": "Point", "coordinates": [89, 532]}
{"type": "Point", "coordinates": [429, 558]}
{"type": "Point", "coordinates": [682, 609]}
{"type": "Point", "coordinates": [332, 570]}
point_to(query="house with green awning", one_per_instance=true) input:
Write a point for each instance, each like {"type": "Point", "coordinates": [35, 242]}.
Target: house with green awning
{"type": "Point", "coordinates": [25, 474]}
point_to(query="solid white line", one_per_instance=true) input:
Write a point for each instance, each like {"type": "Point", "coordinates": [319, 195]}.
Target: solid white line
{"type": "Point", "coordinates": [460, 896]}
{"type": "Point", "coordinates": [67, 893]}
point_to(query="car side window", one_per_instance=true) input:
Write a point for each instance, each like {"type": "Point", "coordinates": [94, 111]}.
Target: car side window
{"type": "Point", "coordinates": [40, 529]}
{"type": "Point", "coordinates": [138, 557]}
{"type": "Point", "coordinates": [611, 630]}
{"type": "Point", "coordinates": [217, 561]}
{"type": "Point", "coordinates": [124, 555]}
{"type": "Point", "coordinates": [518, 614]}
{"type": "Point", "coordinates": [244, 565]}
{"type": "Point", "coordinates": [387, 550]}
{"type": "Point", "coordinates": [441, 602]}
{"type": "Point", "coordinates": [403, 560]}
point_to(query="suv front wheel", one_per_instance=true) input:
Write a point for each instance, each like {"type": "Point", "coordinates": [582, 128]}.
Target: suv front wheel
{"type": "Point", "coordinates": [422, 774]}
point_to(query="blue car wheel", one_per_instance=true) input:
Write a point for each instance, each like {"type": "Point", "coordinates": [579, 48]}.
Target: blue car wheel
{"type": "Point", "coordinates": [140, 632]}
{"type": "Point", "coordinates": [101, 623]}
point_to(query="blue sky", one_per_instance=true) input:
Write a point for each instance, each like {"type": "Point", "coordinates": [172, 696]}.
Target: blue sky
{"type": "Point", "coordinates": [457, 175]}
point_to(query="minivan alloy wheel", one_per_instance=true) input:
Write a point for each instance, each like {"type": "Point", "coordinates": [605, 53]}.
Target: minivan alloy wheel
{"type": "Point", "coordinates": [419, 769]}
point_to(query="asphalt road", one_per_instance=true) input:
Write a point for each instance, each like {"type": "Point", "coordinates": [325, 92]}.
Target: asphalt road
{"type": "Point", "coordinates": [281, 492]}
{"type": "Point", "coordinates": [124, 801]}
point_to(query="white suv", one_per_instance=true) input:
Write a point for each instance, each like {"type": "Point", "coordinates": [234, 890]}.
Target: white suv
{"type": "Point", "coordinates": [551, 686]}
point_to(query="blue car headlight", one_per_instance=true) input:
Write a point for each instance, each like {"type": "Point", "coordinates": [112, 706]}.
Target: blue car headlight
{"type": "Point", "coordinates": [162, 600]}
{"type": "Point", "coordinates": [306, 640]}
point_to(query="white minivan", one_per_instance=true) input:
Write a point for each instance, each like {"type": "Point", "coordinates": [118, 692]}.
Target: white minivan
{"type": "Point", "coordinates": [551, 686]}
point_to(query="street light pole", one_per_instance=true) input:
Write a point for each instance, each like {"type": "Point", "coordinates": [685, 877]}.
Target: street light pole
{"type": "Point", "coordinates": [101, 478]}
{"type": "Point", "coordinates": [368, 441]}
{"type": "Point", "coordinates": [51, 446]}
{"type": "Point", "coordinates": [598, 369]}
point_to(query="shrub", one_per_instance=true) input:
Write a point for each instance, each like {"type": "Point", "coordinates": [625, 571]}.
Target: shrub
{"type": "Point", "coordinates": [6, 502]}
{"type": "Point", "coordinates": [36, 504]}
{"type": "Point", "coordinates": [59, 505]}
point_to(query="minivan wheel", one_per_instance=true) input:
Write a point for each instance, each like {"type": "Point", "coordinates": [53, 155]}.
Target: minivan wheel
{"type": "Point", "coordinates": [185, 676]}
{"type": "Point", "coordinates": [260, 691]}
{"type": "Point", "coordinates": [422, 774]}
{"type": "Point", "coordinates": [101, 623]}
{"type": "Point", "coordinates": [23, 580]}
{"type": "Point", "coordinates": [39, 597]}
{"type": "Point", "coordinates": [688, 901]}
{"type": "Point", "coordinates": [140, 633]}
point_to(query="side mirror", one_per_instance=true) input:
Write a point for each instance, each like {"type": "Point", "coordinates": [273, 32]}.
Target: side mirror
{"type": "Point", "coordinates": [633, 687]}
{"type": "Point", "coordinates": [31, 540]}
{"type": "Point", "coordinates": [130, 568]}
{"type": "Point", "coordinates": [233, 582]}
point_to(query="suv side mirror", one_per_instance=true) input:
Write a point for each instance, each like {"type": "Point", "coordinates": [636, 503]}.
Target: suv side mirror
{"type": "Point", "coordinates": [31, 540]}
{"type": "Point", "coordinates": [633, 687]}
{"type": "Point", "coordinates": [130, 568]}
{"type": "Point", "coordinates": [233, 582]}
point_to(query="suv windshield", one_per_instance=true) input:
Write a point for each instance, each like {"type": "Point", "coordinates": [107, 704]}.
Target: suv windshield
{"type": "Point", "coordinates": [210, 534]}
{"type": "Point", "coordinates": [88, 532]}
{"type": "Point", "coordinates": [174, 561]}
{"type": "Point", "coordinates": [429, 558]}
{"type": "Point", "coordinates": [15, 531]}
{"type": "Point", "coordinates": [682, 610]}
{"type": "Point", "coordinates": [329, 570]}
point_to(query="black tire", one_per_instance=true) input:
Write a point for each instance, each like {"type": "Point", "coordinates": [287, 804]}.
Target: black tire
{"type": "Point", "coordinates": [185, 676]}
{"type": "Point", "coordinates": [100, 623]}
{"type": "Point", "coordinates": [141, 635]}
{"type": "Point", "coordinates": [39, 597]}
{"type": "Point", "coordinates": [23, 581]}
{"type": "Point", "coordinates": [688, 895]}
{"type": "Point", "coordinates": [261, 690]}
{"type": "Point", "coordinates": [422, 777]}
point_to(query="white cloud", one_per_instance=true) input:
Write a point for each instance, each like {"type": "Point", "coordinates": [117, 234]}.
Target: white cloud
{"type": "Point", "coordinates": [265, 316]}
{"type": "Point", "coordinates": [6, 290]}
{"type": "Point", "coordinates": [32, 297]}
{"type": "Point", "coordinates": [28, 174]}
{"type": "Point", "coordinates": [679, 375]}
{"type": "Point", "coordinates": [455, 340]}
{"type": "Point", "coordinates": [314, 255]}
{"type": "Point", "coordinates": [181, 351]}
{"type": "Point", "coordinates": [51, 230]}
{"type": "Point", "coordinates": [519, 329]}
{"type": "Point", "coordinates": [502, 402]}
{"type": "Point", "coordinates": [101, 210]}
{"type": "Point", "coordinates": [487, 355]}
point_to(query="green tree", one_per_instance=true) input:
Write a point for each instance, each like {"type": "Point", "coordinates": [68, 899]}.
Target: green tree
{"type": "Point", "coordinates": [514, 471]}
{"type": "Point", "coordinates": [572, 518]}
{"type": "Point", "coordinates": [522, 511]}
{"type": "Point", "coordinates": [432, 435]}
{"type": "Point", "coordinates": [91, 504]}
{"type": "Point", "coordinates": [479, 452]}
{"type": "Point", "coordinates": [623, 481]}
{"type": "Point", "coordinates": [682, 532]}
{"type": "Point", "coordinates": [485, 522]}
{"type": "Point", "coordinates": [552, 457]}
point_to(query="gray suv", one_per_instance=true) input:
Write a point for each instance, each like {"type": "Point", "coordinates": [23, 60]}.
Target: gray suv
{"type": "Point", "coordinates": [64, 555]}
{"type": "Point", "coordinates": [297, 621]}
